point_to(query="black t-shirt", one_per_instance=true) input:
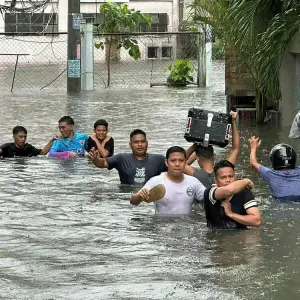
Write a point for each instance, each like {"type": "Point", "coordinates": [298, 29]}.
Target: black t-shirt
{"type": "Point", "coordinates": [10, 150]}
{"type": "Point", "coordinates": [134, 171]}
{"type": "Point", "coordinates": [109, 145]}
{"type": "Point", "coordinates": [215, 214]}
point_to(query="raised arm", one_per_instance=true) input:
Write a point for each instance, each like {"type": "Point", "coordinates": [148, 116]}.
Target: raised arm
{"type": "Point", "coordinates": [254, 145]}
{"type": "Point", "coordinates": [47, 147]}
{"type": "Point", "coordinates": [233, 156]}
{"type": "Point", "coordinates": [190, 151]}
{"type": "Point", "coordinates": [221, 193]}
{"type": "Point", "coordinates": [97, 160]}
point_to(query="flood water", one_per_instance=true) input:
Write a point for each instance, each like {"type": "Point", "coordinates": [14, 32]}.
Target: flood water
{"type": "Point", "coordinates": [68, 231]}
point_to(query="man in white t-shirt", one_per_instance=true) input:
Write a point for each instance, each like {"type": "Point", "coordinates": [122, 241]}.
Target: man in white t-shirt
{"type": "Point", "coordinates": [181, 190]}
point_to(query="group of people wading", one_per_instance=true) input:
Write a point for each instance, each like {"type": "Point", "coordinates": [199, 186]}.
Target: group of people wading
{"type": "Point", "coordinates": [228, 202]}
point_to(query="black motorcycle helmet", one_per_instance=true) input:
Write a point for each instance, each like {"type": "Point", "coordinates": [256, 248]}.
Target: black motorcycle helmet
{"type": "Point", "coordinates": [283, 156]}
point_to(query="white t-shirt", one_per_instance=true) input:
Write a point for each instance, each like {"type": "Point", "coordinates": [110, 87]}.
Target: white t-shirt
{"type": "Point", "coordinates": [179, 197]}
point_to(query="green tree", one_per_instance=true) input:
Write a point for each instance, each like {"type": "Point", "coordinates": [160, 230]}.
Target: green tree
{"type": "Point", "coordinates": [260, 31]}
{"type": "Point", "coordinates": [119, 19]}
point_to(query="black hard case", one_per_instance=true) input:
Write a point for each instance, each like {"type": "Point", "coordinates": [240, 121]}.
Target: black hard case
{"type": "Point", "coordinates": [208, 127]}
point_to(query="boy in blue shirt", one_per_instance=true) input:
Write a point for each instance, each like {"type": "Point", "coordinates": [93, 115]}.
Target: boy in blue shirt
{"type": "Point", "coordinates": [71, 144]}
{"type": "Point", "coordinates": [284, 177]}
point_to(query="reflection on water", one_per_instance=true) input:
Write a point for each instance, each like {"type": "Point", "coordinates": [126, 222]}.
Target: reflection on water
{"type": "Point", "coordinates": [69, 232]}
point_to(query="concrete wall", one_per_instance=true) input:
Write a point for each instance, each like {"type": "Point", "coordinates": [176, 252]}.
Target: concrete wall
{"type": "Point", "coordinates": [289, 76]}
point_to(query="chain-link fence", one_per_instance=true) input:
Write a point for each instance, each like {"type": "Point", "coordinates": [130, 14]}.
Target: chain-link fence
{"type": "Point", "coordinates": [39, 62]}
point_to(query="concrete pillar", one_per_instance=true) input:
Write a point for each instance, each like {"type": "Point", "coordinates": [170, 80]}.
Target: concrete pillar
{"type": "Point", "coordinates": [287, 78]}
{"type": "Point", "coordinates": [62, 16]}
{"type": "Point", "coordinates": [87, 55]}
{"type": "Point", "coordinates": [208, 59]}
{"type": "Point", "coordinates": [2, 23]}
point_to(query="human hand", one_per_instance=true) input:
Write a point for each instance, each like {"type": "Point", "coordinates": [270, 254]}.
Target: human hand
{"type": "Point", "coordinates": [94, 138]}
{"type": "Point", "coordinates": [94, 154]}
{"type": "Point", "coordinates": [254, 142]}
{"type": "Point", "coordinates": [72, 154]}
{"type": "Point", "coordinates": [233, 115]}
{"type": "Point", "coordinates": [56, 137]}
{"type": "Point", "coordinates": [144, 193]}
{"type": "Point", "coordinates": [227, 207]}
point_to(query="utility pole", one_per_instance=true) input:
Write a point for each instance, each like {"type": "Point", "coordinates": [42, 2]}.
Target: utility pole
{"type": "Point", "coordinates": [74, 47]}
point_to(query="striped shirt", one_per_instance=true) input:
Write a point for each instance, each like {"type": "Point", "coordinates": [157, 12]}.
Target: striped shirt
{"type": "Point", "coordinates": [215, 214]}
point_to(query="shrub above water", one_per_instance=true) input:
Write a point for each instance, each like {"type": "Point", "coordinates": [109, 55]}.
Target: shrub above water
{"type": "Point", "coordinates": [181, 72]}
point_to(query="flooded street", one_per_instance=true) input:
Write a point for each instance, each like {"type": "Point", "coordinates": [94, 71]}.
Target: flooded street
{"type": "Point", "coordinates": [68, 231]}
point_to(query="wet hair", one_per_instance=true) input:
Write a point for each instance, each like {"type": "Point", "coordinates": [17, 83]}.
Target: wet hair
{"type": "Point", "coordinates": [222, 164]}
{"type": "Point", "coordinates": [175, 149]}
{"type": "Point", "coordinates": [136, 132]}
{"type": "Point", "coordinates": [100, 122]}
{"type": "Point", "coordinates": [67, 119]}
{"type": "Point", "coordinates": [206, 152]}
{"type": "Point", "coordinates": [18, 129]}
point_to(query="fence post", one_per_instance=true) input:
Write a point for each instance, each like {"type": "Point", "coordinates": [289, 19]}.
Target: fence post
{"type": "Point", "coordinates": [87, 55]}
{"type": "Point", "coordinates": [208, 56]}
{"type": "Point", "coordinates": [201, 76]}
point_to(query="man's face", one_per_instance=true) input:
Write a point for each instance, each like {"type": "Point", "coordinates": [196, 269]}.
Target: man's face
{"type": "Point", "coordinates": [139, 145]}
{"type": "Point", "coordinates": [176, 164]}
{"type": "Point", "coordinates": [65, 129]}
{"type": "Point", "coordinates": [20, 139]}
{"type": "Point", "coordinates": [225, 176]}
{"type": "Point", "coordinates": [101, 132]}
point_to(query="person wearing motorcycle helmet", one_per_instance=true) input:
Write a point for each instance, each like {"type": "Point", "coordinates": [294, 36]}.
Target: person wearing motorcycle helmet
{"type": "Point", "coordinates": [284, 176]}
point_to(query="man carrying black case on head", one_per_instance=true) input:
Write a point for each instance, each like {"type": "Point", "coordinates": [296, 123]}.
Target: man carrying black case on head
{"type": "Point", "coordinates": [206, 158]}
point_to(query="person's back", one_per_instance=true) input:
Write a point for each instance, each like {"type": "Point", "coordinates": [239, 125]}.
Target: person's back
{"type": "Point", "coordinates": [284, 184]}
{"type": "Point", "coordinates": [284, 177]}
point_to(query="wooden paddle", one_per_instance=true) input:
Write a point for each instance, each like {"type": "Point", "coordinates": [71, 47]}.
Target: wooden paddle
{"type": "Point", "coordinates": [157, 193]}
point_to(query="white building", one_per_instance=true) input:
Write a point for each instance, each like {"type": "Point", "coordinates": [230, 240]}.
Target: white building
{"type": "Point", "coordinates": [165, 14]}
{"type": "Point", "coordinates": [54, 19]}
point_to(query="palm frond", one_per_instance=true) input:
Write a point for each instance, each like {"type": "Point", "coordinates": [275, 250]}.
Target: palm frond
{"type": "Point", "coordinates": [272, 45]}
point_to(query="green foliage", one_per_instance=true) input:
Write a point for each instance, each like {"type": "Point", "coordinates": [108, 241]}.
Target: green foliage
{"type": "Point", "coordinates": [181, 72]}
{"type": "Point", "coordinates": [218, 49]}
{"type": "Point", "coordinates": [118, 18]}
{"type": "Point", "coordinates": [258, 30]}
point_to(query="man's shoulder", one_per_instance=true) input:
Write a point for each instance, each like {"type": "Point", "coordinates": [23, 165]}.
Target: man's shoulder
{"type": "Point", "coordinates": [121, 156]}
{"type": "Point", "coordinates": [156, 156]}
{"type": "Point", "coordinates": [80, 135]}
{"type": "Point", "coordinates": [244, 194]}
{"type": "Point", "coordinates": [7, 145]}
{"type": "Point", "coordinates": [192, 180]}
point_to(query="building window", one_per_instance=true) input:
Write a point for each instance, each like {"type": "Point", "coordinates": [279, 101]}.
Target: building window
{"type": "Point", "coordinates": [152, 52]}
{"type": "Point", "coordinates": [97, 19]}
{"type": "Point", "coordinates": [27, 23]}
{"type": "Point", "coordinates": [159, 24]}
{"type": "Point", "coordinates": [166, 52]}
